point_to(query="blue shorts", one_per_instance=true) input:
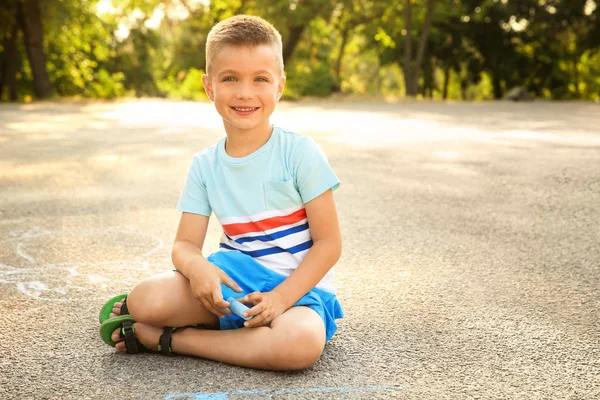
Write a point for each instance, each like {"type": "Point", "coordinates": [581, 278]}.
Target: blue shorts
{"type": "Point", "coordinates": [252, 276]}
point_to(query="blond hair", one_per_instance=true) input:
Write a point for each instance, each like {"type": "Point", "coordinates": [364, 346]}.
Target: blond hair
{"type": "Point", "coordinates": [242, 30]}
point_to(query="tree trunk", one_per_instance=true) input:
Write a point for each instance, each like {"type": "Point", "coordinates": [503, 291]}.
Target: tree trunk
{"type": "Point", "coordinates": [446, 81]}
{"type": "Point", "coordinates": [408, 68]}
{"type": "Point", "coordinates": [576, 77]}
{"type": "Point", "coordinates": [30, 21]}
{"type": "Point", "coordinates": [292, 41]}
{"type": "Point", "coordinates": [338, 62]}
{"type": "Point", "coordinates": [412, 68]}
{"type": "Point", "coordinates": [2, 75]}
{"type": "Point", "coordinates": [423, 42]}
{"type": "Point", "coordinates": [426, 81]}
{"type": "Point", "coordinates": [497, 84]}
{"type": "Point", "coordinates": [11, 65]}
{"type": "Point", "coordinates": [430, 74]}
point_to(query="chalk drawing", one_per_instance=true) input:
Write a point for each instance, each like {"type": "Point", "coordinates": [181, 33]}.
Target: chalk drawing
{"type": "Point", "coordinates": [75, 279]}
{"type": "Point", "coordinates": [270, 392]}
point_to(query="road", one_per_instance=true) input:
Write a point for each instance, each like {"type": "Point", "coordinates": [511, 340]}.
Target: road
{"type": "Point", "coordinates": [470, 269]}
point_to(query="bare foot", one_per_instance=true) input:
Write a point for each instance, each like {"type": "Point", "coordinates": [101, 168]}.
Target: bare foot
{"type": "Point", "coordinates": [148, 335]}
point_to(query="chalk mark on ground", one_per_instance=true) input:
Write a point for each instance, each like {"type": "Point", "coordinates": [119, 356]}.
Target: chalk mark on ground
{"type": "Point", "coordinates": [225, 395]}
{"type": "Point", "coordinates": [68, 281]}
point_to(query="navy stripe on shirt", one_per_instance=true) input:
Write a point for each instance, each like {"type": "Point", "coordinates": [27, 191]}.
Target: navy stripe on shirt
{"type": "Point", "coordinates": [271, 250]}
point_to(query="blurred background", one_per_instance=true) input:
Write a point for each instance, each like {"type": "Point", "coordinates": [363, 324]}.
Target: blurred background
{"type": "Point", "coordinates": [455, 49]}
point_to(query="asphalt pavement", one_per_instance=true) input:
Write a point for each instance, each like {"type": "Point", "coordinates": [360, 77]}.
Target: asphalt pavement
{"type": "Point", "coordinates": [470, 269]}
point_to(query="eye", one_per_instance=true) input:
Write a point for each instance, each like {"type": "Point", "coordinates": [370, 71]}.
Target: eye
{"type": "Point", "coordinates": [229, 79]}
{"type": "Point", "coordinates": [262, 79]}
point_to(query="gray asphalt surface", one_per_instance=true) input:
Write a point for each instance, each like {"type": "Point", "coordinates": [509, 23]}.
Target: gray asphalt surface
{"type": "Point", "coordinates": [471, 263]}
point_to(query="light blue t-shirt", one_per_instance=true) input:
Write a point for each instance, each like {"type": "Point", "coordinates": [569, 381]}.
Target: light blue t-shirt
{"type": "Point", "coordinates": [259, 199]}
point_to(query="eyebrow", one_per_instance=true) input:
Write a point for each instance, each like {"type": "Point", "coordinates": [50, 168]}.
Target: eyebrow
{"type": "Point", "coordinates": [231, 71]}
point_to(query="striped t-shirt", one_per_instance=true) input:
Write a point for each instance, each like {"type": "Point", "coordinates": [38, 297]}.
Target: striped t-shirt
{"type": "Point", "coordinates": [259, 199]}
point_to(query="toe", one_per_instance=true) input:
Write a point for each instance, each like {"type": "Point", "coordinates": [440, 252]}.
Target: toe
{"type": "Point", "coordinates": [115, 336]}
{"type": "Point", "coordinates": [121, 347]}
{"type": "Point", "coordinates": [117, 308]}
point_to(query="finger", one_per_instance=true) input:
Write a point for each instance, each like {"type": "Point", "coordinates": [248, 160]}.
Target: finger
{"type": "Point", "coordinates": [210, 308]}
{"type": "Point", "coordinates": [259, 320]}
{"type": "Point", "coordinates": [244, 300]}
{"type": "Point", "coordinates": [252, 298]}
{"type": "Point", "coordinates": [208, 305]}
{"type": "Point", "coordinates": [217, 298]}
{"type": "Point", "coordinates": [257, 309]}
{"type": "Point", "coordinates": [227, 281]}
{"type": "Point", "coordinates": [209, 298]}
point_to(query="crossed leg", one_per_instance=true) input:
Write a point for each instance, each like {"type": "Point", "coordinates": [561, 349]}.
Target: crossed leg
{"type": "Point", "coordinates": [294, 340]}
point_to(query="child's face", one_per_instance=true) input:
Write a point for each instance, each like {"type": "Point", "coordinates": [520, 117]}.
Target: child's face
{"type": "Point", "coordinates": [245, 83]}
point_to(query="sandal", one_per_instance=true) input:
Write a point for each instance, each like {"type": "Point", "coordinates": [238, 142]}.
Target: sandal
{"type": "Point", "coordinates": [108, 307]}
{"type": "Point", "coordinates": [132, 344]}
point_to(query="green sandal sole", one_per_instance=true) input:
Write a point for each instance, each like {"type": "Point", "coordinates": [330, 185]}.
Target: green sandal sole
{"type": "Point", "coordinates": [110, 325]}
{"type": "Point", "coordinates": [107, 308]}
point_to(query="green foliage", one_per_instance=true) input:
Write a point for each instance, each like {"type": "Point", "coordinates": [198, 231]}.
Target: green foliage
{"type": "Point", "coordinates": [588, 69]}
{"type": "Point", "coordinates": [391, 80]}
{"type": "Point", "coordinates": [186, 86]}
{"type": "Point", "coordinates": [310, 73]}
{"type": "Point", "coordinates": [77, 53]}
{"type": "Point", "coordinates": [106, 85]}
{"type": "Point", "coordinates": [353, 46]}
{"type": "Point", "coordinates": [308, 79]}
{"type": "Point", "coordinates": [138, 58]}
{"type": "Point", "coordinates": [361, 69]}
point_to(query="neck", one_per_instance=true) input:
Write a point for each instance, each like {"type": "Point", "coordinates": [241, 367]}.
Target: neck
{"type": "Point", "coordinates": [242, 142]}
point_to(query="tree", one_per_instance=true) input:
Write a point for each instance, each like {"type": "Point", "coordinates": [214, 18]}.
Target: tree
{"type": "Point", "coordinates": [363, 46]}
{"type": "Point", "coordinates": [9, 63]}
{"type": "Point", "coordinates": [290, 18]}
{"type": "Point", "coordinates": [350, 16]}
{"type": "Point", "coordinates": [29, 20]}
{"type": "Point", "coordinates": [23, 18]}
{"type": "Point", "coordinates": [413, 63]}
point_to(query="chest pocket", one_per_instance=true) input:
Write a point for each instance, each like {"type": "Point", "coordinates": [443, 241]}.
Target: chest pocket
{"type": "Point", "coordinates": [281, 195]}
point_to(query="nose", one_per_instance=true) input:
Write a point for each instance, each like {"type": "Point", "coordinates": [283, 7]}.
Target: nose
{"type": "Point", "coordinates": [243, 91]}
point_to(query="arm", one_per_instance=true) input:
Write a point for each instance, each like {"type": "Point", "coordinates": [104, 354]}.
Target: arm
{"type": "Point", "coordinates": [322, 256]}
{"type": "Point", "coordinates": [189, 239]}
{"type": "Point", "coordinates": [205, 278]}
{"type": "Point", "coordinates": [324, 253]}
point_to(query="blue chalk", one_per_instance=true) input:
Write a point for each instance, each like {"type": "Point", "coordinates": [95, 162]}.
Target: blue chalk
{"type": "Point", "coordinates": [238, 308]}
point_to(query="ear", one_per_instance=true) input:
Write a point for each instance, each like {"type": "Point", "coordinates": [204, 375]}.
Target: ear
{"type": "Point", "coordinates": [280, 87]}
{"type": "Point", "coordinates": [208, 87]}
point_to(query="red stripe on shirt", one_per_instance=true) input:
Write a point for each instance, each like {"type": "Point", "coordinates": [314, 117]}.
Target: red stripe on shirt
{"type": "Point", "coordinates": [264, 224]}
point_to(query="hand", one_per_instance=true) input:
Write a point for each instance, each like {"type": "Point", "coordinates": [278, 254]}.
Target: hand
{"type": "Point", "coordinates": [265, 308]}
{"type": "Point", "coordinates": [205, 282]}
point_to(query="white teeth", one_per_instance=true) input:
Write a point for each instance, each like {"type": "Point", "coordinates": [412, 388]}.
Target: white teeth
{"type": "Point", "coordinates": [244, 109]}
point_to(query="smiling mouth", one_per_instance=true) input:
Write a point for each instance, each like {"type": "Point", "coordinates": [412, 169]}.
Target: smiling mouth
{"type": "Point", "coordinates": [245, 109]}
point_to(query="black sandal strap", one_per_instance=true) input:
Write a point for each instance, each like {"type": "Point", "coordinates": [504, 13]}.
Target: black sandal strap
{"type": "Point", "coordinates": [131, 342]}
{"type": "Point", "coordinates": [124, 310]}
{"type": "Point", "coordinates": [164, 344]}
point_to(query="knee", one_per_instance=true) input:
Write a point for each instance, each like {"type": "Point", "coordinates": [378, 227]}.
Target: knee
{"type": "Point", "coordinates": [297, 348]}
{"type": "Point", "coordinates": [146, 303]}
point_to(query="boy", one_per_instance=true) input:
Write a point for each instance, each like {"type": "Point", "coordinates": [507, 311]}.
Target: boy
{"type": "Point", "coordinates": [271, 190]}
